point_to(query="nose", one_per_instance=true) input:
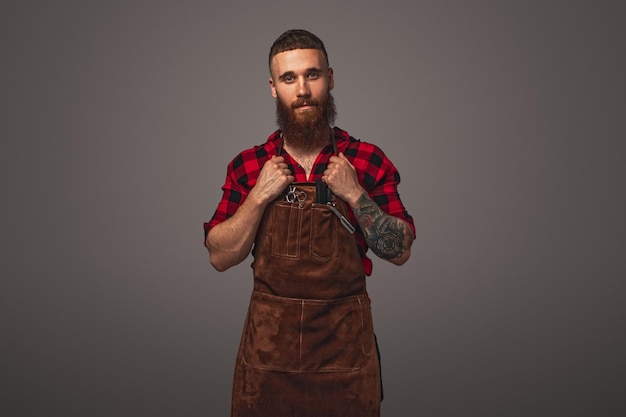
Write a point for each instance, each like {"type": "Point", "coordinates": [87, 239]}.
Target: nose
{"type": "Point", "coordinates": [303, 88]}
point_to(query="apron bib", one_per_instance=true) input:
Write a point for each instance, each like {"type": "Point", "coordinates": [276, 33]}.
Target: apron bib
{"type": "Point", "coordinates": [308, 346]}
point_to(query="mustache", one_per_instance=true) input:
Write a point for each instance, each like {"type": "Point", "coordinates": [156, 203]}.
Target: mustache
{"type": "Point", "coordinates": [304, 102]}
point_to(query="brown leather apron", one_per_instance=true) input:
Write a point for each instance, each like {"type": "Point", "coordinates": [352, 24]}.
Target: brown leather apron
{"type": "Point", "coordinates": [308, 346]}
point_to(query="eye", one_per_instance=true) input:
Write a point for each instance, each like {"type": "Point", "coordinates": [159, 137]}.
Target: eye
{"type": "Point", "coordinates": [314, 75]}
{"type": "Point", "coordinates": [288, 78]}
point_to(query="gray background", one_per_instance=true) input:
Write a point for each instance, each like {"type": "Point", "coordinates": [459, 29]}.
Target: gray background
{"type": "Point", "coordinates": [505, 119]}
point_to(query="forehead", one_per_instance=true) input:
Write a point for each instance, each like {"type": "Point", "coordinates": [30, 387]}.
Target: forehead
{"type": "Point", "coordinates": [298, 60]}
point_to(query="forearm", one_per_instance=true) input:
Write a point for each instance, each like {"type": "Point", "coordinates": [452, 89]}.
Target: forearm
{"type": "Point", "coordinates": [230, 242]}
{"type": "Point", "coordinates": [389, 237]}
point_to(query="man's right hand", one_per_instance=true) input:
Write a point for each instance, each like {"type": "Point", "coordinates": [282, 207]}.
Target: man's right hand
{"type": "Point", "coordinates": [230, 242]}
{"type": "Point", "coordinates": [273, 179]}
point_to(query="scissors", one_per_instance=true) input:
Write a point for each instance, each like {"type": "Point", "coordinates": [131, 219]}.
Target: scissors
{"type": "Point", "coordinates": [294, 195]}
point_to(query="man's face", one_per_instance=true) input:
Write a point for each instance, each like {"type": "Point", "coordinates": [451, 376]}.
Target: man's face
{"type": "Point", "coordinates": [301, 80]}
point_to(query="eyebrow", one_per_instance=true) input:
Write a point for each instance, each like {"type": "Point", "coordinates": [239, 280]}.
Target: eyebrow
{"type": "Point", "coordinates": [293, 74]}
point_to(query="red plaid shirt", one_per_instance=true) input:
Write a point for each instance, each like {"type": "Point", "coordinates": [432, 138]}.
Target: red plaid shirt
{"type": "Point", "coordinates": [376, 173]}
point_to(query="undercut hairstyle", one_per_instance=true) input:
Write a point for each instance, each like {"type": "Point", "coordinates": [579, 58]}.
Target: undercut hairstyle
{"type": "Point", "coordinates": [296, 39]}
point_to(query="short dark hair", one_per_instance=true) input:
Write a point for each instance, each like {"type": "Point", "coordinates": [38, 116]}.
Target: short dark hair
{"type": "Point", "coordinates": [296, 39]}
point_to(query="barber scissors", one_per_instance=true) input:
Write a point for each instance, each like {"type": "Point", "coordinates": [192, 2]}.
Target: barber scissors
{"type": "Point", "coordinates": [294, 195]}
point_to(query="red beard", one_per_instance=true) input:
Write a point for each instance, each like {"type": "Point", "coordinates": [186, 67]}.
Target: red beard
{"type": "Point", "coordinates": [308, 129]}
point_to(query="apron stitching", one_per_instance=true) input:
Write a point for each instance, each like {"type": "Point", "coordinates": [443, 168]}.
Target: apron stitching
{"type": "Point", "coordinates": [301, 329]}
{"type": "Point", "coordinates": [362, 325]}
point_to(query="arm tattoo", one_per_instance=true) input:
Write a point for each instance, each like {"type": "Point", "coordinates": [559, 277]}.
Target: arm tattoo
{"type": "Point", "coordinates": [384, 234]}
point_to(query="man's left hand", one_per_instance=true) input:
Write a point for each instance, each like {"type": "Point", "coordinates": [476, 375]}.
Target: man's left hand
{"type": "Point", "coordinates": [341, 178]}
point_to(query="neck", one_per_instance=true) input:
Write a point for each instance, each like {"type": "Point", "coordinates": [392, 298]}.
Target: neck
{"type": "Point", "coordinates": [299, 151]}
{"type": "Point", "coordinates": [296, 144]}
{"type": "Point", "coordinates": [306, 155]}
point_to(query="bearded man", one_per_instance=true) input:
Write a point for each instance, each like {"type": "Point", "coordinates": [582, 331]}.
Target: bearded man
{"type": "Point", "coordinates": [308, 203]}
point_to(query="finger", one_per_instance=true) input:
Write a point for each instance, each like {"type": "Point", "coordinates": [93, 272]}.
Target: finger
{"type": "Point", "coordinates": [287, 179]}
{"type": "Point", "coordinates": [344, 158]}
{"type": "Point", "coordinates": [270, 162]}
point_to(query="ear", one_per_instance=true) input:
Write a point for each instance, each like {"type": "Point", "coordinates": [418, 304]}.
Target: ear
{"type": "Point", "coordinates": [331, 78]}
{"type": "Point", "coordinates": [273, 88]}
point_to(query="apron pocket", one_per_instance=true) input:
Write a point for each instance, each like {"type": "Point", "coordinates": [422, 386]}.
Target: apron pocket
{"type": "Point", "coordinates": [323, 233]}
{"type": "Point", "coordinates": [286, 230]}
{"type": "Point", "coordinates": [301, 335]}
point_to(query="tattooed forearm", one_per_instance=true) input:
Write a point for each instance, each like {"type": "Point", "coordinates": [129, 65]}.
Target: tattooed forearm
{"type": "Point", "coordinates": [386, 235]}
